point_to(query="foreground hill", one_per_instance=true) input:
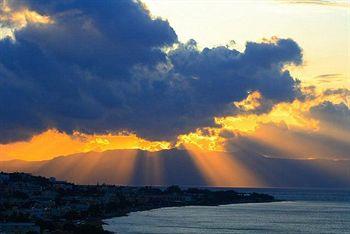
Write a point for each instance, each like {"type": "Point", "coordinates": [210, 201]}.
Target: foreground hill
{"type": "Point", "coordinates": [137, 167]}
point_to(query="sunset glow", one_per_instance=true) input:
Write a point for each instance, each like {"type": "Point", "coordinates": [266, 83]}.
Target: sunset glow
{"type": "Point", "coordinates": [53, 143]}
{"type": "Point", "coordinates": [216, 79]}
{"type": "Point", "coordinates": [221, 169]}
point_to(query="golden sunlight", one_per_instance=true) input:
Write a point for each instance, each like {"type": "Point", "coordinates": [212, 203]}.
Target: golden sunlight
{"type": "Point", "coordinates": [222, 169]}
{"type": "Point", "coordinates": [53, 143]}
{"type": "Point", "coordinates": [19, 18]}
{"type": "Point", "coordinates": [294, 115]}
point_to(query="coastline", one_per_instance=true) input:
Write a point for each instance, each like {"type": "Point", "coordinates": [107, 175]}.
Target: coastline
{"type": "Point", "coordinates": [155, 208]}
{"type": "Point", "coordinates": [101, 220]}
{"type": "Point", "coordinates": [60, 206]}
{"type": "Point", "coordinates": [276, 217]}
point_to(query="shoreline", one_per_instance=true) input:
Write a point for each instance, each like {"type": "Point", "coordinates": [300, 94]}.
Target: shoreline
{"type": "Point", "coordinates": [313, 216]}
{"type": "Point", "coordinates": [102, 222]}
{"type": "Point", "coordinates": [60, 206]}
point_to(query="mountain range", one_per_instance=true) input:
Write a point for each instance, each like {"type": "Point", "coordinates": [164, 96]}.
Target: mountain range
{"type": "Point", "coordinates": [186, 168]}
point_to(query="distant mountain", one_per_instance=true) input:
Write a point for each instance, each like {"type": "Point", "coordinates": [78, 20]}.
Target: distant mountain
{"type": "Point", "coordinates": [181, 167]}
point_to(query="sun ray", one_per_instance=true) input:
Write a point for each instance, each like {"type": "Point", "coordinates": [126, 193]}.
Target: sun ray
{"type": "Point", "coordinates": [222, 169]}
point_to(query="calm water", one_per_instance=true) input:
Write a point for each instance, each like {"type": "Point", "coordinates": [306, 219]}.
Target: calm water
{"type": "Point", "coordinates": [308, 211]}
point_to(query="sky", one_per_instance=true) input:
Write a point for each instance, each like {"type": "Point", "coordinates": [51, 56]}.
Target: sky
{"type": "Point", "coordinates": [268, 76]}
{"type": "Point", "coordinates": [322, 30]}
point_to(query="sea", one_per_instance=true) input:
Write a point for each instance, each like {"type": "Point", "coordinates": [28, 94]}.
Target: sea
{"type": "Point", "coordinates": [302, 211]}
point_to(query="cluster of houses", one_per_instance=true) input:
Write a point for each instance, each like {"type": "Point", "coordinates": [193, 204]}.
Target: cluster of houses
{"type": "Point", "coordinates": [27, 201]}
{"type": "Point", "coordinates": [29, 197]}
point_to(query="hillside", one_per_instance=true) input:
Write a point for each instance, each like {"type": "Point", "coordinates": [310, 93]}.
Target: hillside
{"type": "Point", "coordinates": [137, 167]}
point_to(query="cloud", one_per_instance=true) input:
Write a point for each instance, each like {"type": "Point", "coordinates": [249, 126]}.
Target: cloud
{"type": "Point", "coordinates": [100, 68]}
{"type": "Point", "coordinates": [279, 141]}
{"type": "Point", "coordinates": [330, 78]}
{"type": "Point", "coordinates": [341, 92]}
{"type": "Point", "coordinates": [332, 3]}
{"type": "Point", "coordinates": [328, 75]}
{"type": "Point", "coordinates": [315, 127]}
{"type": "Point", "coordinates": [18, 18]}
{"type": "Point", "coordinates": [337, 115]}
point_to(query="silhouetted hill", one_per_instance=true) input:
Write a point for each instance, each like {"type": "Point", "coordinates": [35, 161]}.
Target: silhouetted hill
{"type": "Point", "coordinates": [137, 167]}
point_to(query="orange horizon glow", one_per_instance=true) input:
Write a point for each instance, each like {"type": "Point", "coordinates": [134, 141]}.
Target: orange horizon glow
{"type": "Point", "coordinates": [207, 147]}
{"type": "Point", "coordinates": [53, 143]}
{"type": "Point", "coordinates": [258, 127]}
{"type": "Point", "coordinates": [294, 116]}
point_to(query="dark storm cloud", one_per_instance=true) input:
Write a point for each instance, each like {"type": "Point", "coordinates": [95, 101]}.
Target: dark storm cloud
{"type": "Point", "coordinates": [101, 67]}
{"type": "Point", "coordinates": [337, 115]}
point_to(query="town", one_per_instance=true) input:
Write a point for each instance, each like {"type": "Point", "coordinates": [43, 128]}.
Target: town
{"type": "Point", "coordinates": [34, 204]}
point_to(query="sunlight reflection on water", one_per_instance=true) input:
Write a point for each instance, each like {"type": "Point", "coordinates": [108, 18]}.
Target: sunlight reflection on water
{"type": "Point", "coordinates": [279, 217]}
